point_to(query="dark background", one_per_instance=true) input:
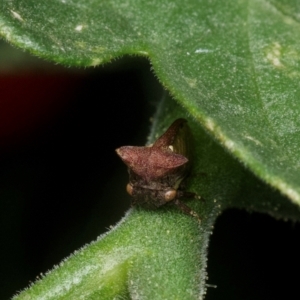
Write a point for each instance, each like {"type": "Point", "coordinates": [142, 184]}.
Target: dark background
{"type": "Point", "coordinates": [61, 183]}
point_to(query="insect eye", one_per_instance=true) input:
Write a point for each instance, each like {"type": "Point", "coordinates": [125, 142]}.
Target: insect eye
{"type": "Point", "coordinates": [170, 195]}
{"type": "Point", "coordinates": [129, 189]}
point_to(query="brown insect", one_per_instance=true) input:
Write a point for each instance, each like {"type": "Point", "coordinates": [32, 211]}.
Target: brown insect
{"type": "Point", "coordinates": [157, 171]}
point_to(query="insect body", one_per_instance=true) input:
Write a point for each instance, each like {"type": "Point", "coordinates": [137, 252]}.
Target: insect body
{"type": "Point", "coordinates": [157, 171]}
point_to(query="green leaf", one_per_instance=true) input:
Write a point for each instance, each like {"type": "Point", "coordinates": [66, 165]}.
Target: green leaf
{"type": "Point", "coordinates": [232, 65]}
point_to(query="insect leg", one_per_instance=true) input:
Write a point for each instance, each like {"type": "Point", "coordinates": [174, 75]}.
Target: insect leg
{"type": "Point", "coordinates": [187, 210]}
{"type": "Point", "coordinates": [185, 194]}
